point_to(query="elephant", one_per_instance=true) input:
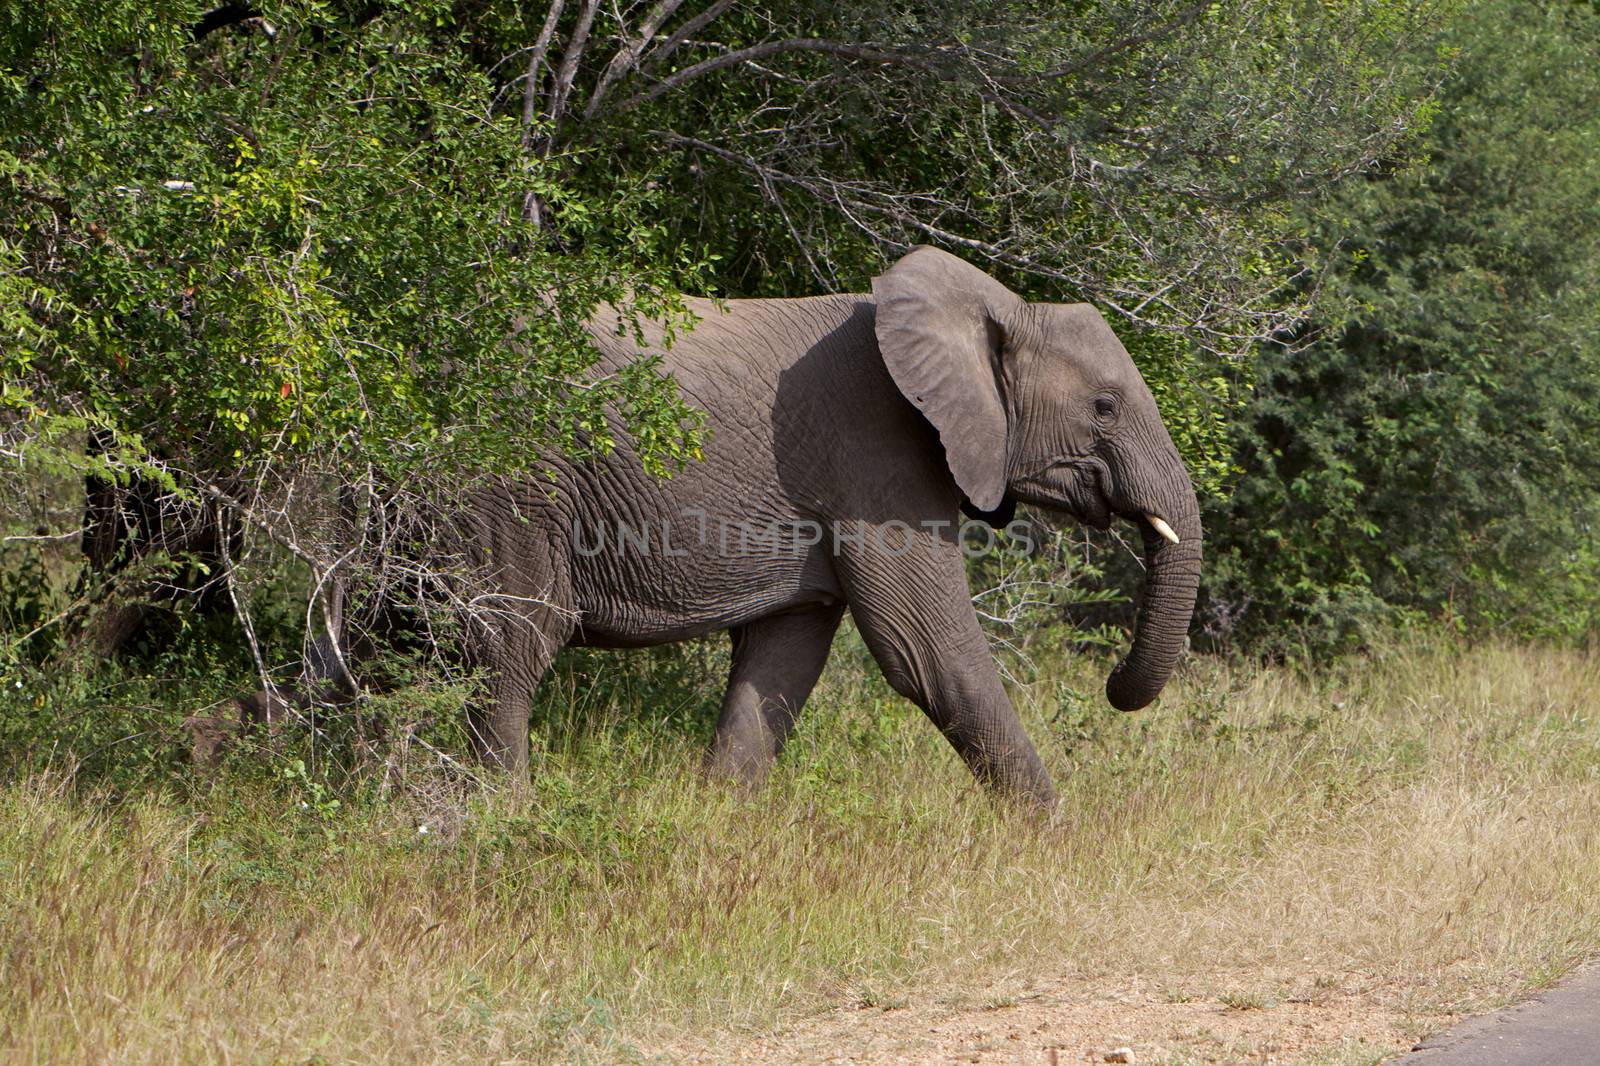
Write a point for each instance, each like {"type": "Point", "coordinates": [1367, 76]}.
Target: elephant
{"type": "Point", "coordinates": [863, 423]}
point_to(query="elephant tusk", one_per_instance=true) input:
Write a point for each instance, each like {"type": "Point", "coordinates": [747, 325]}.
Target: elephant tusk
{"type": "Point", "coordinates": [1160, 526]}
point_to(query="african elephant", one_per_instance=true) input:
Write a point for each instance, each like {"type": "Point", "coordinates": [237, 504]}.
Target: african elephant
{"type": "Point", "coordinates": [861, 424]}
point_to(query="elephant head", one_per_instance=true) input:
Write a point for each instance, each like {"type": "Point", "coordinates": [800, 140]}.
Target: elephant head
{"type": "Point", "coordinates": [1040, 403]}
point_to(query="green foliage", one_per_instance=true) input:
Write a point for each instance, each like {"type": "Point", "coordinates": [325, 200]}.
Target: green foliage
{"type": "Point", "coordinates": [1430, 451]}
{"type": "Point", "coordinates": [296, 237]}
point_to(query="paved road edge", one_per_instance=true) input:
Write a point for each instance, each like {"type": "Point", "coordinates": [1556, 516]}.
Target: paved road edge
{"type": "Point", "coordinates": [1559, 1026]}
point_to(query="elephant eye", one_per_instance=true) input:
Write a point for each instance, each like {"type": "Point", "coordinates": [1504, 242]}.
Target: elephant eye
{"type": "Point", "coordinates": [1105, 408]}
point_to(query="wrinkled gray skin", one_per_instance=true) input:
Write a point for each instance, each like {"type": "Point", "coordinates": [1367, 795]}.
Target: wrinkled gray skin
{"type": "Point", "coordinates": [885, 409]}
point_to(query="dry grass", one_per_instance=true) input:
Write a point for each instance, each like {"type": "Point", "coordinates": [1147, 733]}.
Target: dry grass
{"type": "Point", "coordinates": [1418, 833]}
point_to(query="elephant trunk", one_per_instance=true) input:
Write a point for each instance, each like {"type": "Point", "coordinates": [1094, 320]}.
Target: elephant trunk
{"type": "Point", "coordinates": [1172, 575]}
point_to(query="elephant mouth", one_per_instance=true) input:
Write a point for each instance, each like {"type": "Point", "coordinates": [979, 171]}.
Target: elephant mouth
{"type": "Point", "coordinates": [1093, 510]}
{"type": "Point", "coordinates": [1082, 486]}
{"type": "Point", "coordinates": [1079, 485]}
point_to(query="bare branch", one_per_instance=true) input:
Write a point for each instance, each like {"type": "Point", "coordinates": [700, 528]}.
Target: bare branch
{"type": "Point", "coordinates": [627, 56]}
{"type": "Point", "coordinates": [562, 90]}
{"type": "Point", "coordinates": [1100, 55]}
{"type": "Point", "coordinates": [21, 538]}
{"type": "Point", "coordinates": [690, 27]}
{"type": "Point", "coordinates": [938, 62]}
{"type": "Point", "coordinates": [840, 49]}
{"type": "Point", "coordinates": [532, 89]}
{"type": "Point", "coordinates": [241, 608]}
{"type": "Point", "coordinates": [532, 79]}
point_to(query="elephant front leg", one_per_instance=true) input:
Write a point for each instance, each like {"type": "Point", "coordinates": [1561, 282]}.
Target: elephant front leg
{"type": "Point", "coordinates": [776, 662]}
{"type": "Point", "coordinates": [915, 613]}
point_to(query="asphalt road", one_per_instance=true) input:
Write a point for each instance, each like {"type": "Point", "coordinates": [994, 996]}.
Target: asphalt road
{"type": "Point", "coordinates": [1557, 1027]}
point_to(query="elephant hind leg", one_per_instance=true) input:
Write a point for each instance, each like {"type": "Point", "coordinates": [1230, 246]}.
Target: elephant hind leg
{"type": "Point", "coordinates": [517, 652]}
{"type": "Point", "coordinates": [776, 663]}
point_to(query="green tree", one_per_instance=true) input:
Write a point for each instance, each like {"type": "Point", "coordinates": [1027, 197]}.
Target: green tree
{"type": "Point", "coordinates": [1431, 450]}
{"type": "Point", "coordinates": [252, 258]}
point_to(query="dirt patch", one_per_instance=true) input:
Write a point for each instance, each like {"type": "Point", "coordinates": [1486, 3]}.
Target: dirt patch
{"type": "Point", "coordinates": [1073, 1021]}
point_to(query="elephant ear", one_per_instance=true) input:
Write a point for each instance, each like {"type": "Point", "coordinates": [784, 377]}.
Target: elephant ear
{"type": "Point", "coordinates": [939, 322]}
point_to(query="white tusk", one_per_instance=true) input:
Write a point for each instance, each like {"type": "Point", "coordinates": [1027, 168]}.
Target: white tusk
{"type": "Point", "coordinates": [1160, 526]}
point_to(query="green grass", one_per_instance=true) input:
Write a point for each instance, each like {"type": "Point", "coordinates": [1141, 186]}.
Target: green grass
{"type": "Point", "coordinates": [1425, 824]}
